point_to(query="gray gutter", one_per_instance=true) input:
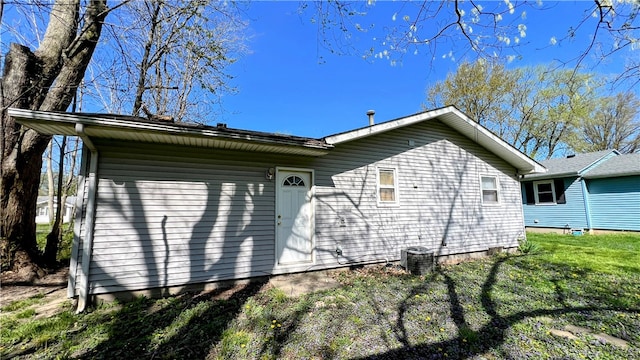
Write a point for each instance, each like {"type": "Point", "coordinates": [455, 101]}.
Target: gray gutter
{"type": "Point", "coordinates": [612, 174]}
{"type": "Point", "coordinates": [143, 125]}
{"type": "Point", "coordinates": [549, 176]}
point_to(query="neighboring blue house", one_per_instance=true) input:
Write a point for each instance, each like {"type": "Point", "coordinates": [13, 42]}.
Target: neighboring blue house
{"type": "Point", "coordinates": [598, 190]}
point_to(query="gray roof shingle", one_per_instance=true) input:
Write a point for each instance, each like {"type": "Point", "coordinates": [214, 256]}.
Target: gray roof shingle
{"type": "Point", "coordinates": [621, 165]}
{"type": "Point", "coordinates": [568, 166]}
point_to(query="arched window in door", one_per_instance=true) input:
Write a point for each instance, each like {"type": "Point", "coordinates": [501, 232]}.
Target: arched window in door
{"type": "Point", "coordinates": [293, 180]}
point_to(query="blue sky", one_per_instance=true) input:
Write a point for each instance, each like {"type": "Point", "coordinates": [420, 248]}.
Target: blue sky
{"type": "Point", "coordinates": [291, 84]}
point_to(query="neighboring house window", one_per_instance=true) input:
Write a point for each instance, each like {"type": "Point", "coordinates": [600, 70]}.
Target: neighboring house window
{"type": "Point", "coordinates": [43, 211]}
{"type": "Point", "coordinates": [489, 188]}
{"type": "Point", "coordinates": [387, 186]}
{"type": "Point", "coordinates": [545, 192]}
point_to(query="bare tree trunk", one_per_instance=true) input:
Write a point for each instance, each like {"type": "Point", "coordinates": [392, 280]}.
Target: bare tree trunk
{"type": "Point", "coordinates": [70, 178]}
{"type": "Point", "coordinates": [53, 239]}
{"type": "Point", "coordinates": [50, 183]}
{"type": "Point", "coordinates": [146, 61]}
{"type": "Point", "coordinates": [61, 58]}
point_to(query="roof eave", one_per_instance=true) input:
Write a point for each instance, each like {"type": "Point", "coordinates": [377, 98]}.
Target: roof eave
{"type": "Point", "coordinates": [384, 127]}
{"type": "Point", "coordinates": [457, 120]}
{"type": "Point", "coordinates": [547, 175]}
{"type": "Point", "coordinates": [481, 135]}
{"type": "Point", "coordinates": [64, 124]}
{"type": "Point", "coordinates": [611, 175]}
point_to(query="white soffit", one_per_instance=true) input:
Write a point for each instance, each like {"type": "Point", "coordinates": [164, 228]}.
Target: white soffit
{"type": "Point", "coordinates": [110, 127]}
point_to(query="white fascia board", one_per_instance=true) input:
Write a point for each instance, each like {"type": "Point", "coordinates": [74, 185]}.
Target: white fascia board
{"type": "Point", "coordinates": [113, 123]}
{"type": "Point", "coordinates": [383, 127]}
{"type": "Point", "coordinates": [492, 142]}
{"type": "Point", "coordinates": [457, 120]}
{"type": "Point", "coordinates": [32, 116]}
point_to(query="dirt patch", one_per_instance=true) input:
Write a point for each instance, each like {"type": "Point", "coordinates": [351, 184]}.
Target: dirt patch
{"type": "Point", "coordinates": [12, 288]}
{"type": "Point", "coordinates": [295, 285]}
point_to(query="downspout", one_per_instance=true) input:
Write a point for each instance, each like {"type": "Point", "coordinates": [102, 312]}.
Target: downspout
{"type": "Point", "coordinates": [87, 245]}
{"type": "Point", "coordinates": [519, 178]}
{"type": "Point", "coordinates": [77, 224]}
{"type": "Point", "coordinates": [585, 198]}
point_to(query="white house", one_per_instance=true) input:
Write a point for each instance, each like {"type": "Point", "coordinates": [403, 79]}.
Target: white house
{"type": "Point", "coordinates": [42, 209]}
{"type": "Point", "coordinates": [168, 205]}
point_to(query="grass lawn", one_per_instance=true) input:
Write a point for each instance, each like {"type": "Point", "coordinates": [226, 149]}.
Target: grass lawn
{"type": "Point", "coordinates": [504, 307]}
{"type": "Point", "coordinates": [64, 250]}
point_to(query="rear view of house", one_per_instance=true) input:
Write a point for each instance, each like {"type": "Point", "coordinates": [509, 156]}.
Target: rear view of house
{"type": "Point", "coordinates": [592, 191]}
{"type": "Point", "coordinates": [164, 205]}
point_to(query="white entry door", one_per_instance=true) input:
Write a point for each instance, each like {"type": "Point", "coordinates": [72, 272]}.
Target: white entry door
{"type": "Point", "coordinates": [294, 217]}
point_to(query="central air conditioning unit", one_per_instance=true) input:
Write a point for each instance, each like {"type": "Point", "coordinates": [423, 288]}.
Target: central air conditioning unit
{"type": "Point", "coordinates": [417, 260]}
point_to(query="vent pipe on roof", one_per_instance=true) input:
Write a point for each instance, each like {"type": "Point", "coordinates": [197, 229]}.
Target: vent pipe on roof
{"type": "Point", "coordinates": [370, 114]}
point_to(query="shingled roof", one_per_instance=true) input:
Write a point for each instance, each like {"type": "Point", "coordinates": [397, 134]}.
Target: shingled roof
{"type": "Point", "coordinates": [121, 127]}
{"type": "Point", "coordinates": [621, 165]}
{"type": "Point", "coordinates": [572, 165]}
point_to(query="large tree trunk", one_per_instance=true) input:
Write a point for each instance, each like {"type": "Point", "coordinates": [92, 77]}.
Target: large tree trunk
{"type": "Point", "coordinates": [21, 165]}
{"type": "Point", "coordinates": [61, 61]}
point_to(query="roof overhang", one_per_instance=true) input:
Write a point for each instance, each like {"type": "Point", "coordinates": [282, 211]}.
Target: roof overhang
{"type": "Point", "coordinates": [460, 122]}
{"type": "Point", "coordinates": [116, 127]}
{"type": "Point", "coordinates": [546, 176]}
{"type": "Point", "coordinates": [631, 172]}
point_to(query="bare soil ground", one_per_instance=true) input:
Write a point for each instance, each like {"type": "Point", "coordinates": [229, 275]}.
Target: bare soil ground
{"type": "Point", "coordinates": [52, 285]}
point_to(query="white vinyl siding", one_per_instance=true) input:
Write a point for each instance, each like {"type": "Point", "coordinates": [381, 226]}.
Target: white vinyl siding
{"type": "Point", "coordinates": [173, 215]}
{"type": "Point", "coordinates": [438, 187]}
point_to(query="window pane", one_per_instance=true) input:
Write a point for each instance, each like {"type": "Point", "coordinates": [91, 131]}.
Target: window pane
{"type": "Point", "coordinates": [293, 181]}
{"type": "Point", "coordinates": [387, 195]}
{"type": "Point", "coordinates": [489, 196]}
{"type": "Point", "coordinates": [488, 183]}
{"type": "Point", "coordinates": [386, 177]}
{"type": "Point", "coordinates": [545, 197]}
{"type": "Point", "coordinates": [544, 187]}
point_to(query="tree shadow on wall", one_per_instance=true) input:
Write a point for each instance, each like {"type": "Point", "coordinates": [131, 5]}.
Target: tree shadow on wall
{"type": "Point", "coordinates": [188, 325]}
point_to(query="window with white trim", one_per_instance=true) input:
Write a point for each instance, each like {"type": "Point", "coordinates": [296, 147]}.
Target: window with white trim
{"type": "Point", "coordinates": [544, 192]}
{"type": "Point", "coordinates": [489, 188]}
{"type": "Point", "coordinates": [387, 184]}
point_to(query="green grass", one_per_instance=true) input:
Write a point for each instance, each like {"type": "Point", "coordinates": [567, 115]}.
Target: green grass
{"type": "Point", "coordinates": [612, 253]}
{"type": "Point", "coordinates": [64, 250]}
{"type": "Point", "coordinates": [22, 304]}
{"type": "Point", "coordinates": [496, 308]}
